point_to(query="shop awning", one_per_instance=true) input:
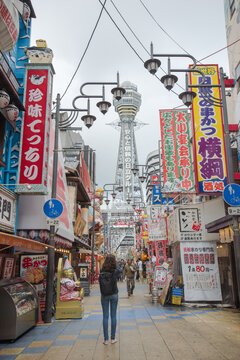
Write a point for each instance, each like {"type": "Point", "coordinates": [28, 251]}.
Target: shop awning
{"type": "Point", "coordinates": [221, 223]}
{"type": "Point", "coordinates": [20, 243]}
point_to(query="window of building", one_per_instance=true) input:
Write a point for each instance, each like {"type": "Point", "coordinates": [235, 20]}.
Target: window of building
{"type": "Point", "coordinates": [232, 7]}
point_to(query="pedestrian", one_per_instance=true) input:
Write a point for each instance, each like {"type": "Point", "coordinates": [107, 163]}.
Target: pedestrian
{"type": "Point", "coordinates": [137, 270]}
{"type": "Point", "coordinates": [140, 267]}
{"type": "Point", "coordinates": [109, 295]}
{"type": "Point", "coordinates": [129, 272]}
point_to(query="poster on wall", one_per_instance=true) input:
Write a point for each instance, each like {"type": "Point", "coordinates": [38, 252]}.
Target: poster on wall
{"type": "Point", "coordinates": [208, 134]}
{"type": "Point", "coordinates": [8, 268]}
{"type": "Point", "coordinates": [200, 271]}
{"type": "Point", "coordinates": [33, 268]}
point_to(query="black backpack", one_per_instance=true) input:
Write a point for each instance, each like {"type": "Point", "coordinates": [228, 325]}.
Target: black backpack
{"type": "Point", "coordinates": [108, 283]}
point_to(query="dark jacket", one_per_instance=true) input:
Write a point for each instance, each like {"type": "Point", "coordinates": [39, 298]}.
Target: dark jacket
{"type": "Point", "coordinates": [116, 274]}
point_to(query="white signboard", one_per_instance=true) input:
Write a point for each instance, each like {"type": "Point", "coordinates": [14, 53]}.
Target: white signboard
{"type": "Point", "coordinates": [156, 223]}
{"type": "Point", "coordinates": [200, 271]}
{"type": "Point", "coordinates": [8, 202]}
{"type": "Point", "coordinates": [234, 211]}
{"type": "Point", "coordinates": [187, 222]}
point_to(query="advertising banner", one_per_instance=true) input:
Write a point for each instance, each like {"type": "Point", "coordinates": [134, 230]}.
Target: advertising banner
{"type": "Point", "coordinates": [36, 129]}
{"type": "Point", "coordinates": [176, 152]}
{"type": "Point", "coordinates": [8, 204]}
{"type": "Point", "coordinates": [160, 250]}
{"type": "Point", "coordinates": [150, 247]}
{"type": "Point", "coordinates": [208, 134]}
{"type": "Point", "coordinates": [33, 268]}
{"type": "Point", "coordinates": [187, 223]}
{"type": "Point", "coordinates": [156, 223]}
{"type": "Point", "coordinates": [200, 271]}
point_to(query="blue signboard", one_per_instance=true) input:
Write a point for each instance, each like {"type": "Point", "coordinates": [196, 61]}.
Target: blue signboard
{"type": "Point", "coordinates": [231, 194]}
{"type": "Point", "coordinates": [157, 197]}
{"type": "Point", "coordinates": [53, 208]}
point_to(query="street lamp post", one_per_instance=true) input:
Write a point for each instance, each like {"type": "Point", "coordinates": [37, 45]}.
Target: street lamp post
{"type": "Point", "coordinates": [187, 97]}
{"type": "Point", "coordinates": [88, 119]}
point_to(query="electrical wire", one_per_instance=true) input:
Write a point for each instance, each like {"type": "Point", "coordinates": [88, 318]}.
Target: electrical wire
{"type": "Point", "coordinates": [84, 53]}
{"type": "Point", "coordinates": [128, 42]}
{"type": "Point", "coordinates": [219, 50]}
{"type": "Point", "coordinates": [165, 32]}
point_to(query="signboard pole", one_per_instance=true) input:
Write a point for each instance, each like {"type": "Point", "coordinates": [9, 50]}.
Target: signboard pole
{"type": "Point", "coordinates": [51, 253]}
{"type": "Point", "coordinates": [236, 236]}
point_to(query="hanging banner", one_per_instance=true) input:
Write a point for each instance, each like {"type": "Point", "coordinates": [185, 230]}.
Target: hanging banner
{"type": "Point", "coordinates": [200, 271]}
{"type": "Point", "coordinates": [160, 250]}
{"type": "Point", "coordinates": [156, 223]}
{"type": "Point", "coordinates": [176, 152]}
{"type": "Point", "coordinates": [36, 129]}
{"type": "Point", "coordinates": [150, 249]}
{"type": "Point", "coordinates": [208, 134]}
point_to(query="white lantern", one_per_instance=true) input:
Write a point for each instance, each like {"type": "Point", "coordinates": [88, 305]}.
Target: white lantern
{"type": "Point", "coordinates": [26, 12]}
{"type": "Point", "coordinates": [12, 112]}
{"type": "Point", "coordinates": [4, 99]}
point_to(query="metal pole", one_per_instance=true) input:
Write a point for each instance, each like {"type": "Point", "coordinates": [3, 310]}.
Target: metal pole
{"type": "Point", "coordinates": [93, 234]}
{"type": "Point", "coordinates": [236, 237]}
{"type": "Point", "coordinates": [51, 254]}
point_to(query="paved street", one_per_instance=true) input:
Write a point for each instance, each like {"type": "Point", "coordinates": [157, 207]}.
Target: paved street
{"type": "Point", "coordinates": [145, 331]}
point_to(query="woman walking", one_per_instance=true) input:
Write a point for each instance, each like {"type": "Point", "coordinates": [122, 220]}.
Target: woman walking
{"type": "Point", "coordinates": [109, 295]}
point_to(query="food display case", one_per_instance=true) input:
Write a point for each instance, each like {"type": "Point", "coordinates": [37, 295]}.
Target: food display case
{"type": "Point", "coordinates": [18, 308]}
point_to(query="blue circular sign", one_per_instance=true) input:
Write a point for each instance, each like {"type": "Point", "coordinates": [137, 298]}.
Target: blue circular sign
{"type": "Point", "coordinates": [231, 194]}
{"type": "Point", "coordinates": [53, 208]}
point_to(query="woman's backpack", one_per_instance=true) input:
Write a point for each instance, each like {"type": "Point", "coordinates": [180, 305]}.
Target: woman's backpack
{"type": "Point", "coordinates": [108, 283]}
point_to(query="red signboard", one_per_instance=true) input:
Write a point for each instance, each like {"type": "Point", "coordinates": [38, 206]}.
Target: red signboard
{"type": "Point", "coordinates": [160, 250]}
{"type": "Point", "coordinates": [84, 174]}
{"type": "Point", "coordinates": [35, 134]}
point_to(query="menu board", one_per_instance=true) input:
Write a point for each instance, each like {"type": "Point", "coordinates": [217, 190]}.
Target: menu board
{"type": "Point", "coordinates": [200, 271]}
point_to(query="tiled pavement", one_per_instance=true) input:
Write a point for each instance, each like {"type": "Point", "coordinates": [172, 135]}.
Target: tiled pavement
{"type": "Point", "coordinates": [145, 331]}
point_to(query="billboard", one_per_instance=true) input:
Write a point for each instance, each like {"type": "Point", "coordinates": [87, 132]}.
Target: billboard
{"type": "Point", "coordinates": [36, 128]}
{"type": "Point", "coordinates": [176, 152]}
{"type": "Point", "coordinates": [208, 134]}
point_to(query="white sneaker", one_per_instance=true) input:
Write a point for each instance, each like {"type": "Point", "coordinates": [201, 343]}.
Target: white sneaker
{"type": "Point", "coordinates": [113, 341]}
{"type": "Point", "coordinates": [105, 342]}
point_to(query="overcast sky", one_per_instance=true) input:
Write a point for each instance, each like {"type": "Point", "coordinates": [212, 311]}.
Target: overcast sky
{"type": "Point", "coordinates": [198, 26]}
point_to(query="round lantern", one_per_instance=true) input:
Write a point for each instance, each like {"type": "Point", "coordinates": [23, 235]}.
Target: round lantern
{"type": "Point", "coordinates": [4, 99]}
{"type": "Point", "coordinates": [33, 234]}
{"type": "Point", "coordinates": [43, 234]}
{"type": "Point", "coordinates": [12, 112]}
{"type": "Point", "coordinates": [26, 12]}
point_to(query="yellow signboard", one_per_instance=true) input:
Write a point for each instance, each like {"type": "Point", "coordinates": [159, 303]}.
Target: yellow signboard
{"type": "Point", "coordinates": [208, 133]}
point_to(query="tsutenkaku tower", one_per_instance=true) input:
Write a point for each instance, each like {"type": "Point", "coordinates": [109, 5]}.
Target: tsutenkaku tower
{"type": "Point", "coordinates": [127, 109]}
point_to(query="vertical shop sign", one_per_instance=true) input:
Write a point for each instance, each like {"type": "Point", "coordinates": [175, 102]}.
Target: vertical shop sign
{"type": "Point", "coordinates": [208, 134]}
{"type": "Point", "coordinates": [36, 127]}
{"type": "Point", "coordinates": [8, 268]}
{"type": "Point", "coordinates": [160, 250]}
{"type": "Point", "coordinates": [176, 151]}
{"type": "Point", "coordinates": [150, 250]}
{"type": "Point", "coordinates": [200, 271]}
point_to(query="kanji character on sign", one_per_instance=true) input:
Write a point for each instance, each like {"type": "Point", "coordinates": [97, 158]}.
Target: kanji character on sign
{"type": "Point", "coordinates": [35, 95]}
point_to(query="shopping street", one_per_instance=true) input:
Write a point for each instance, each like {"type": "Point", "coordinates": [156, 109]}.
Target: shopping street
{"type": "Point", "coordinates": [145, 331]}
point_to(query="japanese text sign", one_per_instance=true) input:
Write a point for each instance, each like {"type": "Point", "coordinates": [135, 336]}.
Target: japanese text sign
{"type": "Point", "coordinates": [208, 134]}
{"type": "Point", "coordinates": [8, 203]}
{"type": "Point", "coordinates": [160, 250]}
{"type": "Point", "coordinates": [176, 151]}
{"type": "Point", "coordinates": [200, 271]}
{"type": "Point", "coordinates": [36, 127]}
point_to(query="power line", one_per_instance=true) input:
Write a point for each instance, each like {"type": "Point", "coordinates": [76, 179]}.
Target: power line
{"type": "Point", "coordinates": [84, 53]}
{"type": "Point", "coordinates": [136, 53]}
{"type": "Point", "coordinates": [219, 50]}
{"type": "Point", "coordinates": [170, 37]}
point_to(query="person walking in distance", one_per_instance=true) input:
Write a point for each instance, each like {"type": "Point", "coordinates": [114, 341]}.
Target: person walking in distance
{"type": "Point", "coordinates": [109, 295]}
{"type": "Point", "coordinates": [129, 272]}
{"type": "Point", "coordinates": [140, 268]}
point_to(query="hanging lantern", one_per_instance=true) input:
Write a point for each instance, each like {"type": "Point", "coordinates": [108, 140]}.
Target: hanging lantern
{"type": "Point", "coordinates": [4, 99]}
{"type": "Point", "coordinates": [43, 234]}
{"type": "Point", "coordinates": [33, 234]}
{"type": "Point", "coordinates": [12, 112]}
{"type": "Point", "coordinates": [26, 12]}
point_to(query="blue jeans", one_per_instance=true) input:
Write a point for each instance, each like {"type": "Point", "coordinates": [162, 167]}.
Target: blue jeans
{"type": "Point", "coordinates": [113, 301]}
